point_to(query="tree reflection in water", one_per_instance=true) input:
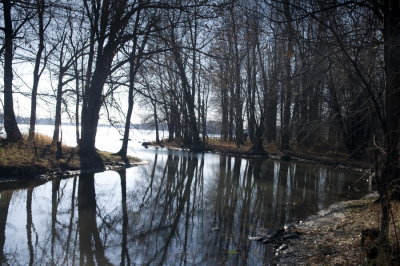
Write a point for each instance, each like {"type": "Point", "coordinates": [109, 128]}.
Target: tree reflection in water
{"type": "Point", "coordinates": [90, 244]}
{"type": "Point", "coordinates": [29, 224]}
{"type": "Point", "coordinates": [182, 209]}
{"type": "Point", "coordinates": [5, 198]}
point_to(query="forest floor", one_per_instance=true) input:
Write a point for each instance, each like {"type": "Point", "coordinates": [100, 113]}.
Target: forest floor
{"type": "Point", "coordinates": [333, 236]}
{"type": "Point", "coordinates": [26, 162]}
{"type": "Point", "coordinates": [318, 153]}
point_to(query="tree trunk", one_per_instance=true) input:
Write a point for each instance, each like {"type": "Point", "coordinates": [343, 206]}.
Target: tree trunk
{"type": "Point", "coordinates": [173, 123]}
{"type": "Point", "coordinates": [10, 122]}
{"type": "Point", "coordinates": [36, 72]}
{"type": "Point", "coordinates": [156, 122]}
{"type": "Point", "coordinates": [270, 116]}
{"type": "Point", "coordinates": [238, 88]}
{"type": "Point", "coordinates": [188, 98]}
{"type": "Point", "coordinates": [258, 141]}
{"type": "Point", "coordinates": [391, 35]}
{"type": "Point", "coordinates": [57, 118]}
{"type": "Point", "coordinates": [124, 148]}
{"type": "Point", "coordinates": [112, 18]}
{"type": "Point", "coordinates": [204, 121]}
{"type": "Point", "coordinates": [224, 107]}
{"type": "Point", "coordinates": [231, 112]}
{"type": "Point", "coordinates": [251, 105]}
{"type": "Point", "coordinates": [285, 127]}
{"type": "Point", "coordinates": [271, 105]}
{"type": "Point", "coordinates": [77, 92]}
{"type": "Point", "coordinates": [90, 114]}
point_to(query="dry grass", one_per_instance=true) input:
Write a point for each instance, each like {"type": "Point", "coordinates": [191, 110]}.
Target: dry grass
{"type": "Point", "coordinates": [335, 239]}
{"type": "Point", "coordinates": [27, 158]}
{"type": "Point", "coordinates": [319, 152]}
{"type": "Point", "coordinates": [228, 146]}
{"type": "Point", "coordinates": [23, 154]}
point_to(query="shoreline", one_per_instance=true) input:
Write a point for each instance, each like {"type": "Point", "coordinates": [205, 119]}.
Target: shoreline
{"type": "Point", "coordinates": [27, 164]}
{"type": "Point", "coordinates": [31, 174]}
{"type": "Point", "coordinates": [244, 151]}
{"type": "Point", "coordinates": [333, 236]}
{"type": "Point", "coordinates": [19, 181]}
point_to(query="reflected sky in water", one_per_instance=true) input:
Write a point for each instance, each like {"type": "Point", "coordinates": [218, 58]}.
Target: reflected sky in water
{"type": "Point", "coordinates": [181, 209]}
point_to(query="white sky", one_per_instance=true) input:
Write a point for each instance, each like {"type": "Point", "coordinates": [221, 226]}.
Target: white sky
{"type": "Point", "coordinates": [23, 79]}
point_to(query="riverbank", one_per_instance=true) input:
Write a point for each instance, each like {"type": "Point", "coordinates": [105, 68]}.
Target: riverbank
{"type": "Point", "coordinates": [334, 236]}
{"type": "Point", "coordinates": [26, 162]}
{"type": "Point", "coordinates": [319, 154]}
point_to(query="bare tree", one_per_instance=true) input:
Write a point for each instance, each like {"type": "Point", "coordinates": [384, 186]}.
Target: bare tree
{"type": "Point", "coordinates": [38, 70]}
{"type": "Point", "coordinates": [10, 34]}
{"type": "Point", "coordinates": [109, 20]}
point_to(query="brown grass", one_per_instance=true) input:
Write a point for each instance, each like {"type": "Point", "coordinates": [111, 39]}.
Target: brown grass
{"type": "Point", "coordinates": [27, 158]}
{"type": "Point", "coordinates": [336, 238]}
{"type": "Point", "coordinates": [319, 152]}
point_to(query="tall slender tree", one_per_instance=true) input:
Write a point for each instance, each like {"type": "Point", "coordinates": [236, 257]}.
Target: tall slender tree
{"type": "Point", "coordinates": [38, 70]}
{"type": "Point", "coordinates": [10, 121]}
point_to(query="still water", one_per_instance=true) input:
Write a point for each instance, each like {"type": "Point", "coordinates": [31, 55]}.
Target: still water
{"type": "Point", "coordinates": [180, 209]}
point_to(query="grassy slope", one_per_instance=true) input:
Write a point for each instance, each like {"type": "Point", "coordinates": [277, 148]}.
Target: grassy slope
{"type": "Point", "coordinates": [26, 158]}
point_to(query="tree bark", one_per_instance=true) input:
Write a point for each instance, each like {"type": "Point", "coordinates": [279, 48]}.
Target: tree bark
{"type": "Point", "coordinates": [36, 71]}
{"type": "Point", "coordinates": [156, 122]}
{"type": "Point", "coordinates": [391, 35]}
{"type": "Point", "coordinates": [57, 120]}
{"type": "Point", "coordinates": [188, 98]}
{"type": "Point", "coordinates": [113, 20]}
{"type": "Point", "coordinates": [77, 93]}
{"type": "Point", "coordinates": [10, 122]}
{"type": "Point", "coordinates": [285, 127]}
{"type": "Point", "coordinates": [224, 105]}
{"type": "Point", "coordinates": [239, 132]}
{"type": "Point", "coordinates": [271, 102]}
{"type": "Point", "coordinates": [90, 114]}
{"type": "Point", "coordinates": [124, 148]}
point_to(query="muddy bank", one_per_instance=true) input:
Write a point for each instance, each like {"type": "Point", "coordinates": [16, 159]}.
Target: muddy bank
{"type": "Point", "coordinates": [339, 159]}
{"type": "Point", "coordinates": [32, 162]}
{"type": "Point", "coordinates": [21, 179]}
{"type": "Point", "coordinates": [333, 236]}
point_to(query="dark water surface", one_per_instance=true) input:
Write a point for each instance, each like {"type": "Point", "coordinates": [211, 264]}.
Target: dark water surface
{"type": "Point", "coordinates": [164, 213]}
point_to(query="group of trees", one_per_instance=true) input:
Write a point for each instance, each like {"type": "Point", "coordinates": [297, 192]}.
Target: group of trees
{"type": "Point", "coordinates": [96, 50]}
{"type": "Point", "coordinates": [309, 71]}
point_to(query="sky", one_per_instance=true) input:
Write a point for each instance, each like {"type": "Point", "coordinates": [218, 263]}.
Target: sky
{"type": "Point", "coordinates": [23, 79]}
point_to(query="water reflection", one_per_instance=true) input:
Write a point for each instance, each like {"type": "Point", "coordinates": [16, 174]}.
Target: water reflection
{"type": "Point", "coordinates": [181, 209]}
{"type": "Point", "coordinates": [5, 198]}
{"type": "Point", "coordinates": [90, 243]}
{"type": "Point", "coordinates": [29, 224]}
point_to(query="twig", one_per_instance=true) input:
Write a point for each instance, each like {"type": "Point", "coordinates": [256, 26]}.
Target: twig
{"type": "Point", "coordinates": [358, 180]}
